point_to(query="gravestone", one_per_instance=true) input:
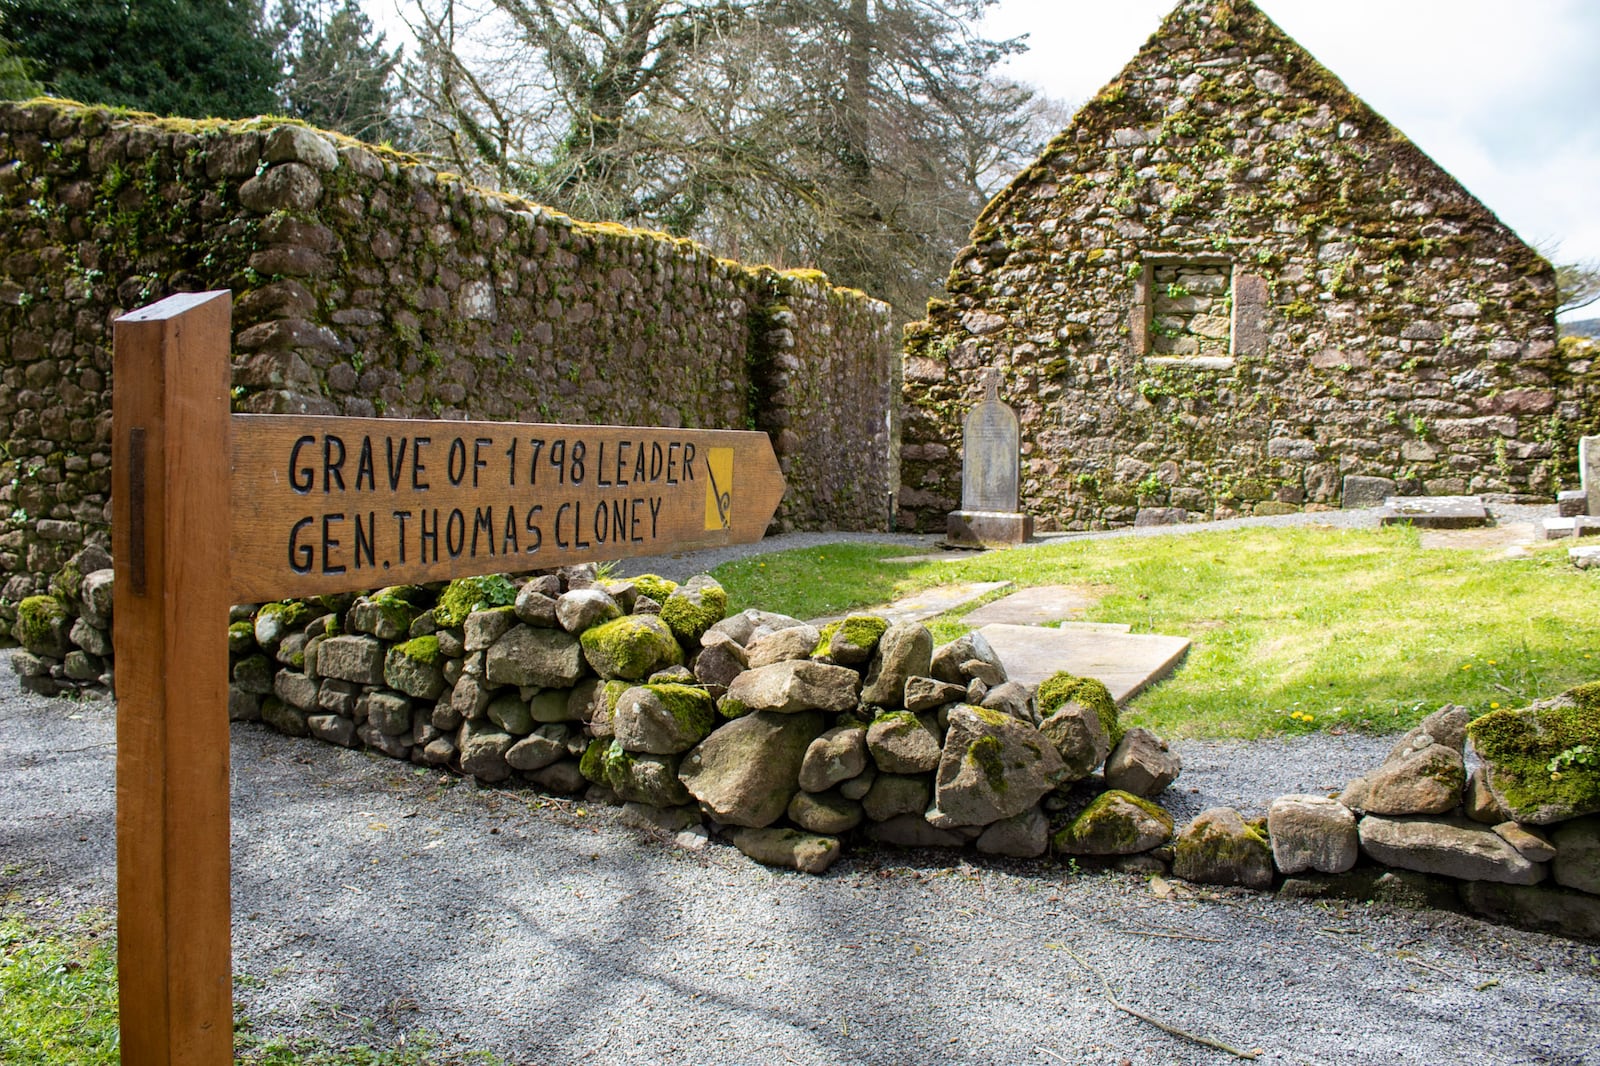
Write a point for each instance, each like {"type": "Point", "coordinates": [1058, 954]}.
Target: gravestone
{"type": "Point", "coordinates": [991, 473]}
{"type": "Point", "coordinates": [1589, 467]}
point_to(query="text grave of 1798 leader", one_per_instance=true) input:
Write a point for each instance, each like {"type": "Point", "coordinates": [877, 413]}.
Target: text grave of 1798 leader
{"type": "Point", "coordinates": [329, 504]}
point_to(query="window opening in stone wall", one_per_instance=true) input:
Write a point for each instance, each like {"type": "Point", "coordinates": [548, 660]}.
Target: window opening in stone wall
{"type": "Point", "coordinates": [1191, 310]}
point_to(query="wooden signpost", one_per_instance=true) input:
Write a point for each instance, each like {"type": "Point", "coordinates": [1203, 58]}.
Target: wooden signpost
{"type": "Point", "coordinates": [211, 509]}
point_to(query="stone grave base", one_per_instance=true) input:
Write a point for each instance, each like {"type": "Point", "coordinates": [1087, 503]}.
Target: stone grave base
{"type": "Point", "coordinates": [1125, 662]}
{"type": "Point", "coordinates": [987, 529]}
{"type": "Point", "coordinates": [1434, 512]}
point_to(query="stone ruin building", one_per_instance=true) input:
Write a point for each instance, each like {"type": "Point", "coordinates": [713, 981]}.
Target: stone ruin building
{"type": "Point", "coordinates": [1228, 286]}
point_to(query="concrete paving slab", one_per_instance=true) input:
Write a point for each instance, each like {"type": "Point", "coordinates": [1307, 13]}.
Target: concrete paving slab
{"type": "Point", "coordinates": [927, 604]}
{"type": "Point", "coordinates": [1512, 535]}
{"type": "Point", "coordinates": [1126, 663]}
{"type": "Point", "coordinates": [953, 556]}
{"type": "Point", "coordinates": [1093, 627]}
{"type": "Point", "coordinates": [1434, 512]}
{"type": "Point", "coordinates": [1034, 606]}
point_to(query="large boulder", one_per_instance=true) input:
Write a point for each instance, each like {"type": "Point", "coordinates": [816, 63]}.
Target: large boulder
{"type": "Point", "coordinates": [720, 660]}
{"type": "Point", "coordinates": [903, 743]}
{"type": "Point", "coordinates": [630, 648]}
{"type": "Point", "coordinates": [838, 755]}
{"type": "Point", "coordinates": [1022, 836]}
{"type": "Point", "coordinates": [954, 662]}
{"type": "Point", "coordinates": [904, 651]}
{"type": "Point", "coordinates": [1062, 690]}
{"type": "Point", "coordinates": [640, 777]}
{"type": "Point", "coordinates": [663, 719]}
{"type": "Point", "coordinates": [43, 626]}
{"type": "Point", "coordinates": [583, 609]}
{"type": "Point", "coordinates": [694, 607]}
{"type": "Point", "coordinates": [851, 640]}
{"type": "Point", "coordinates": [746, 772]}
{"type": "Point", "coordinates": [1542, 762]}
{"type": "Point", "coordinates": [483, 751]}
{"type": "Point", "coordinates": [791, 686]}
{"type": "Point", "coordinates": [525, 655]}
{"type": "Point", "coordinates": [1220, 848]}
{"type": "Point", "coordinates": [1079, 736]}
{"type": "Point", "coordinates": [1577, 862]}
{"type": "Point", "coordinates": [1452, 847]}
{"type": "Point", "coordinates": [1142, 764]}
{"type": "Point", "coordinates": [992, 767]}
{"type": "Point", "coordinates": [766, 647]}
{"type": "Point", "coordinates": [1312, 833]}
{"type": "Point", "coordinates": [806, 852]}
{"type": "Point", "coordinates": [1116, 823]}
{"type": "Point", "coordinates": [414, 667]}
{"type": "Point", "coordinates": [1420, 777]}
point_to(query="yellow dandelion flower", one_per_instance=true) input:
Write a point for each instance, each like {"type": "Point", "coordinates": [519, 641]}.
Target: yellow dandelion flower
{"type": "Point", "coordinates": [1494, 706]}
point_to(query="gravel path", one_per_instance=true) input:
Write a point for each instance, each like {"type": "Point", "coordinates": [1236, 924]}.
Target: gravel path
{"type": "Point", "coordinates": [367, 892]}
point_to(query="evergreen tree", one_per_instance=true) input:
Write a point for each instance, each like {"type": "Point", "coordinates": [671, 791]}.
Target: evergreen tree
{"type": "Point", "coordinates": [198, 58]}
{"type": "Point", "coordinates": [337, 75]}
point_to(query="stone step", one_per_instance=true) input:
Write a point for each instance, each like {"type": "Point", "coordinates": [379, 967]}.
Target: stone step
{"type": "Point", "coordinates": [1434, 512]}
{"type": "Point", "coordinates": [1126, 663]}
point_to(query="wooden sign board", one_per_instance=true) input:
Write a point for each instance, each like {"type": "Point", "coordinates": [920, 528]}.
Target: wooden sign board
{"type": "Point", "coordinates": [332, 504]}
{"type": "Point", "coordinates": [211, 509]}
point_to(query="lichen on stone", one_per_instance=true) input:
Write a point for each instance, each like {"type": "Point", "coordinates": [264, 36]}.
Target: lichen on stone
{"type": "Point", "coordinates": [1061, 688]}
{"type": "Point", "coordinates": [654, 586]}
{"type": "Point", "coordinates": [424, 650]}
{"type": "Point", "coordinates": [467, 594]}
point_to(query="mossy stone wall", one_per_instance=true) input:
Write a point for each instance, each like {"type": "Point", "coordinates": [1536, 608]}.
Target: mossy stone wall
{"type": "Point", "coordinates": [366, 283]}
{"type": "Point", "coordinates": [1379, 320]}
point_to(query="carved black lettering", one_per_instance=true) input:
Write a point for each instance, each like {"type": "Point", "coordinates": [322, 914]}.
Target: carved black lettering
{"type": "Point", "coordinates": [575, 471]}
{"type": "Point", "coordinates": [622, 459]}
{"type": "Point", "coordinates": [400, 519]}
{"type": "Point", "coordinates": [366, 539]}
{"type": "Point", "coordinates": [558, 459]}
{"type": "Point", "coordinates": [600, 467]}
{"type": "Point", "coordinates": [455, 463]}
{"type": "Point", "coordinates": [658, 460]}
{"type": "Point", "coordinates": [508, 539]}
{"type": "Point", "coordinates": [577, 527]}
{"type": "Point", "coordinates": [655, 516]}
{"type": "Point", "coordinates": [417, 469]}
{"type": "Point", "coordinates": [364, 466]}
{"type": "Point", "coordinates": [635, 516]}
{"type": "Point", "coordinates": [332, 463]}
{"type": "Point", "coordinates": [455, 533]}
{"type": "Point", "coordinates": [601, 523]}
{"type": "Point", "coordinates": [533, 529]}
{"type": "Point", "coordinates": [563, 509]}
{"type": "Point", "coordinates": [619, 520]}
{"type": "Point", "coordinates": [329, 544]}
{"type": "Point", "coordinates": [478, 461]}
{"type": "Point", "coordinates": [428, 536]}
{"type": "Point", "coordinates": [301, 556]}
{"type": "Point", "coordinates": [688, 460]}
{"type": "Point", "coordinates": [534, 446]}
{"type": "Point", "coordinates": [638, 465]}
{"type": "Point", "coordinates": [672, 463]}
{"type": "Point", "coordinates": [482, 519]}
{"type": "Point", "coordinates": [395, 465]}
{"type": "Point", "coordinates": [301, 478]}
{"type": "Point", "coordinates": [511, 462]}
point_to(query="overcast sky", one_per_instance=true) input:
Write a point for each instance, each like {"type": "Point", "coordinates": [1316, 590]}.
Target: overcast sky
{"type": "Point", "coordinates": [1505, 94]}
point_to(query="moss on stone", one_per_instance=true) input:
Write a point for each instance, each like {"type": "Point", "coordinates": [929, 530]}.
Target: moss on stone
{"type": "Point", "coordinates": [1103, 824]}
{"type": "Point", "coordinates": [291, 614]}
{"type": "Point", "coordinates": [67, 583]}
{"type": "Point", "coordinates": [241, 635]}
{"type": "Point", "coordinates": [692, 609]}
{"type": "Point", "coordinates": [690, 706]}
{"type": "Point", "coordinates": [858, 631]}
{"type": "Point", "coordinates": [424, 650]}
{"type": "Point", "coordinates": [1060, 688]}
{"type": "Point", "coordinates": [41, 623]}
{"type": "Point", "coordinates": [592, 764]}
{"type": "Point", "coordinates": [654, 586]}
{"type": "Point", "coordinates": [630, 648]}
{"type": "Point", "coordinates": [1519, 744]}
{"type": "Point", "coordinates": [985, 754]}
{"type": "Point", "coordinates": [467, 594]}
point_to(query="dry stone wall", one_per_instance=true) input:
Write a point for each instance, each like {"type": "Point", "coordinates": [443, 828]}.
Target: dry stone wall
{"type": "Point", "coordinates": [367, 284]}
{"type": "Point", "coordinates": [792, 741]}
{"type": "Point", "coordinates": [1227, 286]}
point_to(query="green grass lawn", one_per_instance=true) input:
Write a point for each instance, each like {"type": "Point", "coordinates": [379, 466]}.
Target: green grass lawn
{"type": "Point", "coordinates": [58, 1007]}
{"type": "Point", "coordinates": [1294, 629]}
